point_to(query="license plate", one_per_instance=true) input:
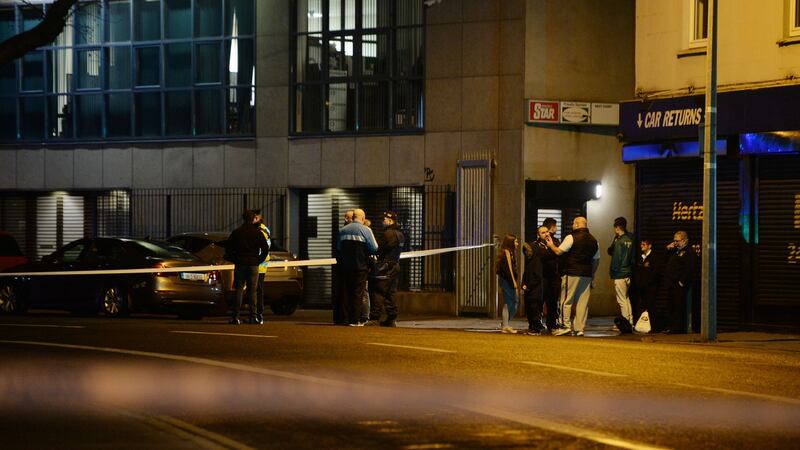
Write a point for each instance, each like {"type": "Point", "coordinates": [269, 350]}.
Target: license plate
{"type": "Point", "coordinates": [193, 276]}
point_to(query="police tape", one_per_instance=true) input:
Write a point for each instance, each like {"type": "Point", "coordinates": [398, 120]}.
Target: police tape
{"type": "Point", "coordinates": [220, 267]}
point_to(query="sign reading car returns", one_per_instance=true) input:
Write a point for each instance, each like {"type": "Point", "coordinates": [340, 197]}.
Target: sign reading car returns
{"type": "Point", "coordinates": [573, 113]}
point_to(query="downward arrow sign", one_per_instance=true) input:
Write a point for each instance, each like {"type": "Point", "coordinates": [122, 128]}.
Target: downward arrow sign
{"type": "Point", "coordinates": [639, 121]}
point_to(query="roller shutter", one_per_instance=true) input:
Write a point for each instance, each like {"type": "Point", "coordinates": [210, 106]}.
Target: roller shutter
{"type": "Point", "coordinates": [777, 299]}
{"type": "Point", "coordinates": [670, 198]}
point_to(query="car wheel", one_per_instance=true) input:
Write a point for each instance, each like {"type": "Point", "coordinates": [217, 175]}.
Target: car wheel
{"type": "Point", "coordinates": [284, 306]}
{"type": "Point", "coordinates": [114, 302]}
{"type": "Point", "coordinates": [10, 300]}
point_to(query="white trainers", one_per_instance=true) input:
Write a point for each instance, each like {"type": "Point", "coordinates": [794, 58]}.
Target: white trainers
{"type": "Point", "coordinates": [508, 330]}
{"type": "Point", "coordinates": [578, 333]}
{"type": "Point", "coordinates": [562, 331]}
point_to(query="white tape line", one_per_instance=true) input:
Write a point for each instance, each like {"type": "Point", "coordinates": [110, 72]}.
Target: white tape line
{"type": "Point", "coordinates": [222, 334]}
{"type": "Point", "coordinates": [302, 263]}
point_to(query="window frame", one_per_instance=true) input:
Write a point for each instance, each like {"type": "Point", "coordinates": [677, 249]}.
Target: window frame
{"type": "Point", "coordinates": [793, 24]}
{"type": "Point", "coordinates": [355, 77]}
{"type": "Point", "coordinates": [694, 41]}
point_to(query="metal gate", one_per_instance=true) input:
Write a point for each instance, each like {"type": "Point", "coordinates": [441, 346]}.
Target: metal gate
{"type": "Point", "coordinates": [475, 275]}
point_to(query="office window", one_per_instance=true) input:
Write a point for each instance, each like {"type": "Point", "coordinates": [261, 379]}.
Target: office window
{"type": "Point", "coordinates": [132, 69]}
{"type": "Point", "coordinates": [794, 17]}
{"type": "Point", "coordinates": [699, 23]}
{"type": "Point", "coordinates": [357, 66]}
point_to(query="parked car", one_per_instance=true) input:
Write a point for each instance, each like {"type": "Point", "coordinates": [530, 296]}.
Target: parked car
{"type": "Point", "coordinates": [188, 294]}
{"type": "Point", "coordinates": [10, 255]}
{"type": "Point", "coordinates": [283, 286]}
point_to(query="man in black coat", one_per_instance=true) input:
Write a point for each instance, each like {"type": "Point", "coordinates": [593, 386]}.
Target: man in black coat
{"type": "Point", "coordinates": [678, 280]}
{"type": "Point", "coordinates": [246, 248]}
{"type": "Point", "coordinates": [550, 270]}
{"type": "Point", "coordinates": [383, 287]}
{"type": "Point", "coordinates": [647, 269]}
{"type": "Point", "coordinates": [533, 288]}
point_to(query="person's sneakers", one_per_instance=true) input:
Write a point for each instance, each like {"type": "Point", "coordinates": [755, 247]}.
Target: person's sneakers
{"type": "Point", "coordinates": [530, 332]}
{"type": "Point", "coordinates": [391, 323]}
{"type": "Point", "coordinates": [258, 319]}
{"type": "Point", "coordinates": [235, 321]}
{"type": "Point", "coordinates": [562, 331]}
{"type": "Point", "coordinates": [508, 330]}
{"type": "Point", "coordinates": [371, 323]}
{"type": "Point", "coordinates": [578, 333]}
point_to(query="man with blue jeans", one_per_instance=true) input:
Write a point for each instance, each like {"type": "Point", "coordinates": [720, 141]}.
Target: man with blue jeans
{"type": "Point", "coordinates": [246, 248]}
{"type": "Point", "coordinates": [581, 256]}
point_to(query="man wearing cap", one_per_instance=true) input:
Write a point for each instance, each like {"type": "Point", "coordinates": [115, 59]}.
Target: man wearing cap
{"type": "Point", "coordinates": [384, 285]}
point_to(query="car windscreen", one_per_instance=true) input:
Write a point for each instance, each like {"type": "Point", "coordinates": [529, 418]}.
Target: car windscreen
{"type": "Point", "coordinates": [162, 250]}
{"type": "Point", "coordinates": [8, 246]}
{"type": "Point", "coordinates": [190, 243]}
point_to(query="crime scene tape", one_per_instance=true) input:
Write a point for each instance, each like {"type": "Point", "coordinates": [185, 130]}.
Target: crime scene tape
{"type": "Point", "coordinates": [278, 264]}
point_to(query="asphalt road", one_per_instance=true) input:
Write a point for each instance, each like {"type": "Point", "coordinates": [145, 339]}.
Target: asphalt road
{"type": "Point", "coordinates": [156, 382]}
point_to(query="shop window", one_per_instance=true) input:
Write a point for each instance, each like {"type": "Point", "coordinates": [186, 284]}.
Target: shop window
{"type": "Point", "coordinates": [794, 17]}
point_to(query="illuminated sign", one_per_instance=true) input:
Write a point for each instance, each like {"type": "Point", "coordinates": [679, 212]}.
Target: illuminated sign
{"type": "Point", "coordinates": [543, 112]}
{"type": "Point", "coordinates": [572, 113]}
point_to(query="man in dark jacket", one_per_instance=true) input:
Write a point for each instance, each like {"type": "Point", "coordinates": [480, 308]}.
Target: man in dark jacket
{"type": "Point", "coordinates": [246, 248]}
{"type": "Point", "coordinates": [646, 278]}
{"type": "Point", "coordinates": [678, 280]}
{"type": "Point", "coordinates": [581, 258]}
{"type": "Point", "coordinates": [550, 270]}
{"type": "Point", "coordinates": [383, 287]}
{"type": "Point", "coordinates": [621, 251]}
{"type": "Point", "coordinates": [533, 288]}
{"type": "Point", "coordinates": [356, 243]}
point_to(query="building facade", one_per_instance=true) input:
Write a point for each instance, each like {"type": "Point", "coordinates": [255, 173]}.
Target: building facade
{"type": "Point", "coordinates": [152, 118]}
{"type": "Point", "coordinates": [758, 166]}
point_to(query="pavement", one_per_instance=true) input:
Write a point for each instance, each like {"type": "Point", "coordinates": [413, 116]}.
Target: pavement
{"type": "Point", "coordinates": [597, 327]}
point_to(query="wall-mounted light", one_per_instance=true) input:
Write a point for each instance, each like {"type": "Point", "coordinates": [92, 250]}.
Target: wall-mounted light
{"type": "Point", "coordinates": [598, 191]}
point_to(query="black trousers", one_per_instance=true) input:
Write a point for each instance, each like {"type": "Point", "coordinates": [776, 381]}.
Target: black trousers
{"type": "Point", "coordinates": [353, 285]}
{"type": "Point", "coordinates": [677, 307]}
{"type": "Point", "coordinates": [381, 295]}
{"type": "Point", "coordinates": [245, 276]}
{"type": "Point", "coordinates": [646, 301]}
{"type": "Point", "coordinates": [260, 295]}
{"type": "Point", "coordinates": [534, 306]}
{"type": "Point", "coordinates": [552, 287]}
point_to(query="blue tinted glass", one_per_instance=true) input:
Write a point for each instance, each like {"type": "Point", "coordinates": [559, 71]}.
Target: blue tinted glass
{"type": "Point", "coordinates": [31, 16]}
{"type": "Point", "coordinates": [88, 30]}
{"type": "Point", "coordinates": [178, 19]}
{"type": "Point", "coordinates": [239, 110]}
{"type": "Point", "coordinates": [239, 61]}
{"type": "Point", "coordinates": [178, 71]}
{"type": "Point", "coordinates": [7, 25]}
{"type": "Point", "coordinates": [61, 70]}
{"type": "Point", "coordinates": [179, 119]}
{"type": "Point", "coordinates": [59, 117]}
{"type": "Point", "coordinates": [207, 18]}
{"type": "Point", "coordinates": [208, 119]}
{"type": "Point", "coordinates": [148, 63]}
{"type": "Point", "coordinates": [32, 117]}
{"type": "Point", "coordinates": [8, 78]}
{"type": "Point", "coordinates": [207, 63]}
{"type": "Point", "coordinates": [8, 118]}
{"type": "Point", "coordinates": [239, 16]}
{"type": "Point", "coordinates": [90, 114]}
{"type": "Point", "coordinates": [33, 71]}
{"type": "Point", "coordinates": [119, 115]}
{"type": "Point", "coordinates": [119, 67]}
{"type": "Point", "coordinates": [119, 20]}
{"type": "Point", "coordinates": [148, 114]}
{"type": "Point", "coordinates": [147, 20]}
{"type": "Point", "coordinates": [89, 76]}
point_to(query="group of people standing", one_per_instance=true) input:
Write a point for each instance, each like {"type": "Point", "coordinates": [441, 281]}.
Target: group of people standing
{"type": "Point", "coordinates": [558, 277]}
{"type": "Point", "coordinates": [368, 271]}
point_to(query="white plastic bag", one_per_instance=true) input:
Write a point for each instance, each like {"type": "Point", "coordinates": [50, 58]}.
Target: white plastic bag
{"type": "Point", "coordinates": [643, 324]}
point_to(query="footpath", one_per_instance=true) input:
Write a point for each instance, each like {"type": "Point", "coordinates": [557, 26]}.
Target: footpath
{"type": "Point", "coordinates": [597, 327]}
